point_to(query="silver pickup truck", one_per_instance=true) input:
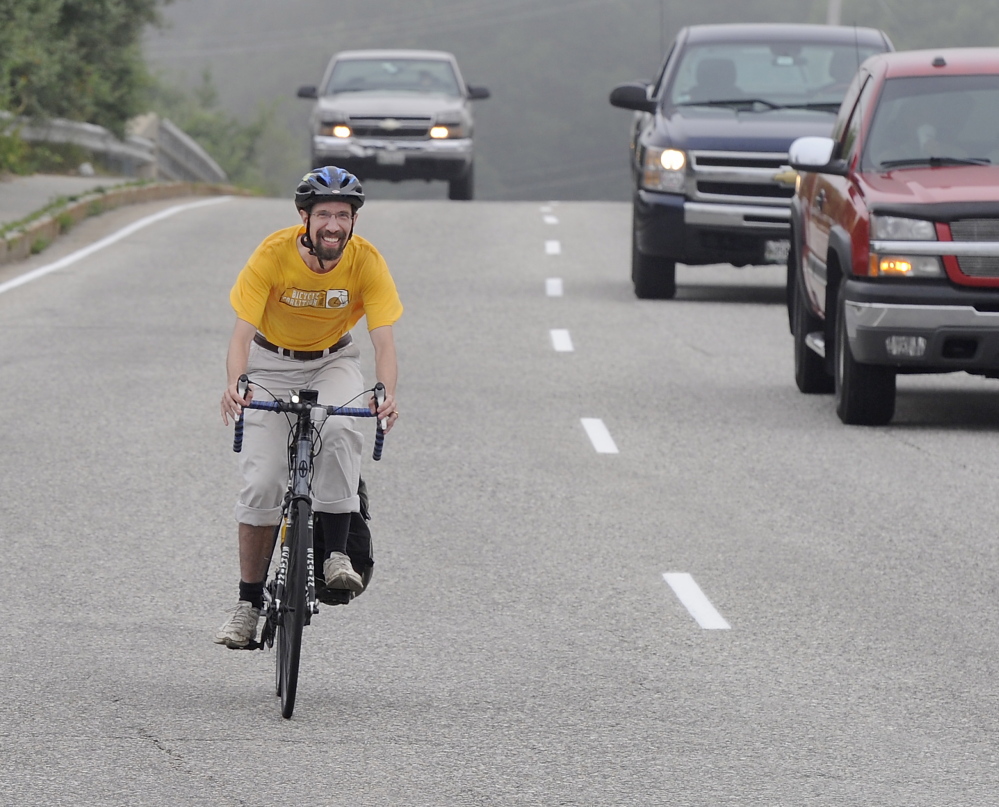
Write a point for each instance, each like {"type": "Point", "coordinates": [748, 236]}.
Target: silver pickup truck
{"type": "Point", "coordinates": [396, 115]}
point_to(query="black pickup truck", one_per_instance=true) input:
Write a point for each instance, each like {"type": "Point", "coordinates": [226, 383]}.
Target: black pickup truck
{"type": "Point", "coordinates": [710, 139]}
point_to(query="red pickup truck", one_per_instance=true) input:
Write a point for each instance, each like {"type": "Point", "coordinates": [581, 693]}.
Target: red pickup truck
{"type": "Point", "coordinates": [894, 257]}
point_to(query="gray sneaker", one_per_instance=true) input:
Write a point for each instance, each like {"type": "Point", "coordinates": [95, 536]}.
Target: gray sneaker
{"type": "Point", "coordinates": [241, 628]}
{"type": "Point", "coordinates": [340, 574]}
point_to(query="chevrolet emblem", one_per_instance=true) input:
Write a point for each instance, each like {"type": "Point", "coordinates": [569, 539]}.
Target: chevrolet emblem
{"type": "Point", "coordinates": [786, 178]}
{"type": "Point", "coordinates": [390, 124]}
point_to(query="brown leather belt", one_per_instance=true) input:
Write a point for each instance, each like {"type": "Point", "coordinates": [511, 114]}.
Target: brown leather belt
{"type": "Point", "coordinates": [302, 355]}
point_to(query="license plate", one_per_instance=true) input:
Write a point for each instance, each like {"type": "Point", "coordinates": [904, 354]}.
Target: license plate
{"type": "Point", "coordinates": [776, 251]}
{"type": "Point", "coordinates": [390, 158]}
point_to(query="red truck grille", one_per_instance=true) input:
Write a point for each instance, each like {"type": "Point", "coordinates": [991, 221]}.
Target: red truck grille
{"type": "Point", "coordinates": [976, 230]}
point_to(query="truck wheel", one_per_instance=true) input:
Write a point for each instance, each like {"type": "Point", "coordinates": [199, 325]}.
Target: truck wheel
{"type": "Point", "coordinates": [654, 277]}
{"type": "Point", "coordinates": [809, 367]}
{"type": "Point", "coordinates": [462, 188]}
{"type": "Point", "coordinates": [865, 393]}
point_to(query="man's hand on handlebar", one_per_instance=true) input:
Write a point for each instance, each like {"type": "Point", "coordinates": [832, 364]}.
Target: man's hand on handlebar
{"type": "Point", "coordinates": [233, 403]}
{"type": "Point", "coordinates": [387, 412]}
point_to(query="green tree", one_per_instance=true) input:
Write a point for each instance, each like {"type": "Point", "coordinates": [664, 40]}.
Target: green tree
{"type": "Point", "coordinates": [247, 152]}
{"type": "Point", "coordinates": [76, 59]}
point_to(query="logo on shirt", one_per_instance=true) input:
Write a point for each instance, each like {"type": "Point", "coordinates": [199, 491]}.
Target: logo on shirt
{"type": "Point", "coordinates": [328, 298]}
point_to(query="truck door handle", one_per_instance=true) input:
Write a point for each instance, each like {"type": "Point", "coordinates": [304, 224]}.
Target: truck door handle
{"type": "Point", "coordinates": [820, 199]}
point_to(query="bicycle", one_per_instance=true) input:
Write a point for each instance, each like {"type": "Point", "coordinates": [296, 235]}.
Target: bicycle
{"type": "Point", "coordinates": [290, 594]}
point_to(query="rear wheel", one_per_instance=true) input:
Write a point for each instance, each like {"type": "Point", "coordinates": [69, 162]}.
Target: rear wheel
{"type": "Point", "coordinates": [292, 617]}
{"type": "Point", "coordinates": [865, 393]}
{"type": "Point", "coordinates": [463, 188]}
{"type": "Point", "coordinates": [654, 278]}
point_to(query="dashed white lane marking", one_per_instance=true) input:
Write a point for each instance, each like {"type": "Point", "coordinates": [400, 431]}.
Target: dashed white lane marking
{"type": "Point", "coordinates": [561, 340]}
{"type": "Point", "coordinates": [553, 287]}
{"type": "Point", "coordinates": [550, 219]}
{"type": "Point", "coordinates": [107, 241]}
{"type": "Point", "coordinates": [553, 247]}
{"type": "Point", "coordinates": [546, 209]}
{"type": "Point", "coordinates": [599, 436]}
{"type": "Point", "coordinates": [693, 599]}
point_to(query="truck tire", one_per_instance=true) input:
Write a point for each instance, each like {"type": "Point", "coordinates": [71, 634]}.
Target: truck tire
{"type": "Point", "coordinates": [810, 372]}
{"type": "Point", "coordinates": [462, 189]}
{"type": "Point", "coordinates": [654, 278]}
{"type": "Point", "coordinates": [865, 393]}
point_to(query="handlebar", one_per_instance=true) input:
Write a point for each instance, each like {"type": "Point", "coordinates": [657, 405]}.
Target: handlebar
{"type": "Point", "coordinates": [297, 407]}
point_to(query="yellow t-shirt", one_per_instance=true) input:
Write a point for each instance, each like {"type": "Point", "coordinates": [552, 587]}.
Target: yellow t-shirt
{"type": "Point", "coordinates": [298, 309]}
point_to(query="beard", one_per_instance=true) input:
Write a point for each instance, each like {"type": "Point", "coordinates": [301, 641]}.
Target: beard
{"type": "Point", "coordinates": [330, 253]}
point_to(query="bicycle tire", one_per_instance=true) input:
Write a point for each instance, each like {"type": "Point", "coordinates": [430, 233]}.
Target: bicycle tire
{"type": "Point", "coordinates": [289, 631]}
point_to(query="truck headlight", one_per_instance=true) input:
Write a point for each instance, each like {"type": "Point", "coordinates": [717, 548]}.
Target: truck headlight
{"type": "Point", "coordinates": [447, 130]}
{"type": "Point", "coordinates": [896, 228]}
{"type": "Point", "coordinates": [334, 129]}
{"type": "Point", "coordinates": [664, 170]}
{"type": "Point", "coordinates": [899, 228]}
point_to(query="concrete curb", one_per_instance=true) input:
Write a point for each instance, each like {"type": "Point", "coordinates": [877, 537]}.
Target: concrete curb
{"type": "Point", "coordinates": [34, 237]}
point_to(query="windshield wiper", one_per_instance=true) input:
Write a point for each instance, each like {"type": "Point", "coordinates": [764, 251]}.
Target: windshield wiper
{"type": "Point", "coordinates": [933, 162]}
{"type": "Point", "coordinates": [735, 102]}
{"type": "Point", "coordinates": [829, 106]}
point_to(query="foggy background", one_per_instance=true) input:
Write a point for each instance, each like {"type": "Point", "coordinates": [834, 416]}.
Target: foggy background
{"type": "Point", "coordinates": [548, 132]}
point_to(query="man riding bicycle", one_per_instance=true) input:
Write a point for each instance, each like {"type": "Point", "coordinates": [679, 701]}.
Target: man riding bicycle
{"type": "Point", "coordinates": [296, 300]}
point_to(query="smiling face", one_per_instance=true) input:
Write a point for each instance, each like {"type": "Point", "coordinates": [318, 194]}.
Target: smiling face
{"type": "Point", "coordinates": [330, 227]}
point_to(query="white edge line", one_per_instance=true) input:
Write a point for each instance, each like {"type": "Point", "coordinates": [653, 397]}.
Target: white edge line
{"type": "Point", "coordinates": [599, 436]}
{"type": "Point", "coordinates": [107, 241]}
{"type": "Point", "coordinates": [694, 600]}
{"type": "Point", "coordinates": [561, 340]}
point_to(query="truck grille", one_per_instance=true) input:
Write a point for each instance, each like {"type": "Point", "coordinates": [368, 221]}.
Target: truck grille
{"type": "Point", "coordinates": [391, 128]}
{"type": "Point", "coordinates": [740, 178]}
{"type": "Point", "coordinates": [976, 230]}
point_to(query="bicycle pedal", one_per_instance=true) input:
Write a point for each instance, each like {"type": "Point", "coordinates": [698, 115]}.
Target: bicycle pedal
{"type": "Point", "coordinates": [333, 596]}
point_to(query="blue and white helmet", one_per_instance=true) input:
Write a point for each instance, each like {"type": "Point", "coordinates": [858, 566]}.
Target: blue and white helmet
{"type": "Point", "coordinates": [328, 184]}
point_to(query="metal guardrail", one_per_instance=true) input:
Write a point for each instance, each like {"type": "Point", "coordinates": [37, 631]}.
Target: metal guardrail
{"type": "Point", "coordinates": [156, 149]}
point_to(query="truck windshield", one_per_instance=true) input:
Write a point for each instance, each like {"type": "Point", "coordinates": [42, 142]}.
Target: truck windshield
{"type": "Point", "coordinates": [934, 121]}
{"type": "Point", "coordinates": [394, 75]}
{"type": "Point", "coordinates": [774, 75]}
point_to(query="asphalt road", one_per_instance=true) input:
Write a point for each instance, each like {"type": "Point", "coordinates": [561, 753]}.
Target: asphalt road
{"type": "Point", "coordinates": [519, 644]}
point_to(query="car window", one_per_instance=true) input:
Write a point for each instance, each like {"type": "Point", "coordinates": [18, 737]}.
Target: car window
{"type": "Point", "coordinates": [777, 73]}
{"type": "Point", "coordinates": [945, 118]}
{"type": "Point", "coordinates": [393, 75]}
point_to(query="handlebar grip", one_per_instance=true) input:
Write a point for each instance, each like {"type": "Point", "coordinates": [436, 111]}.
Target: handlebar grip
{"type": "Point", "coordinates": [237, 438]}
{"type": "Point", "coordinates": [382, 423]}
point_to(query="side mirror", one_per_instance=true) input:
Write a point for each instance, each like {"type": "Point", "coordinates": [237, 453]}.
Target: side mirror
{"type": "Point", "coordinates": [633, 95]}
{"type": "Point", "coordinates": [308, 91]}
{"type": "Point", "coordinates": [815, 154]}
{"type": "Point", "coordinates": [478, 93]}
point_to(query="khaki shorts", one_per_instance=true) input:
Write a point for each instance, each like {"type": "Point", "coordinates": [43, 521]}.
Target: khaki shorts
{"type": "Point", "coordinates": [264, 458]}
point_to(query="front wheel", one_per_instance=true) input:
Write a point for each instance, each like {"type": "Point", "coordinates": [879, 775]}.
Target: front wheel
{"type": "Point", "coordinates": [463, 188]}
{"type": "Point", "coordinates": [292, 617]}
{"type": "Point", "coordinates": [865, 393]}
{"type": "Point", "coordinates": [810, 372]}
{"type": "Point", "coordinates": [654, 278]}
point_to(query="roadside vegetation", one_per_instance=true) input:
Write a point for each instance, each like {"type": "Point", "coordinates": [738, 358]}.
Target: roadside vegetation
{"type": "Point", "coordinates": [82, 60]}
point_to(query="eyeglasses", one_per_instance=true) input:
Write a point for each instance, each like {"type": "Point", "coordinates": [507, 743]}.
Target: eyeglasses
{"type": "Point", "coordinates": [341, 216]}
